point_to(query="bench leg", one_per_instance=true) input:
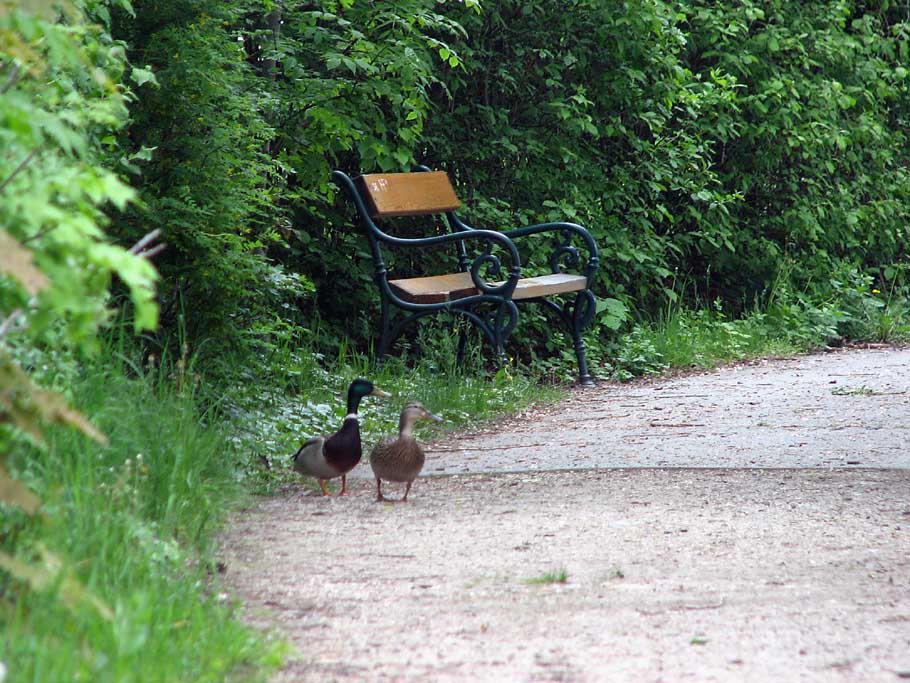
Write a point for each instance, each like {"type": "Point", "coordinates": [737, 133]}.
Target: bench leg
{"type": "Point", "coordinates": [584, 377]}
{"type": "Point", "coordinates": [576, 316]}
{"type": "Point", "coordinates": [582, 313]}
{"type": "Point", "coordinates": [386, 328]}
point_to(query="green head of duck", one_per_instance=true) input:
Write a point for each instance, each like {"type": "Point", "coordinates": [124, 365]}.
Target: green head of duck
{"type": "Point", "coordinates": [360, 388]}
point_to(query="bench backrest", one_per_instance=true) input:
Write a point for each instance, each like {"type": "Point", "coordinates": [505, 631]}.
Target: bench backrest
{"type": "Point", "coordinates": [379, 196]}
{"type": "Point", "coordinates": [408, 194]}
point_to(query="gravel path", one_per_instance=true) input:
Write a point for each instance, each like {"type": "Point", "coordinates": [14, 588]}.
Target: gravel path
{"type": "Point", "coordinates": [748, 524]}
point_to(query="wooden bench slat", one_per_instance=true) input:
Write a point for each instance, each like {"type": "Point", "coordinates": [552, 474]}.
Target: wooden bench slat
{"type": "Point", "coordinates": [408, 194]}
{"type": "Point", "coordinates": [453, 286]}
{"type": "Point", "coordinates": [435, 289]}
{"type": "Point", "coordinates": [545, 285]}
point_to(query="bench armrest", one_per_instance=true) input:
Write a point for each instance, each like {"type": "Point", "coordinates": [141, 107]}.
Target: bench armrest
{"type": "Point", "coordinates": [486, 266]}
{"type": "Point", "coordinates": [565, 249]}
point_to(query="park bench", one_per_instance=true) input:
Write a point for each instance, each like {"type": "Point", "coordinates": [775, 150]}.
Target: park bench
{"type": "Point", "coordinates": [484, 279]}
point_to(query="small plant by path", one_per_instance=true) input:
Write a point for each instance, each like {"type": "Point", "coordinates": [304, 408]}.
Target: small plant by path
{"type": "Point", "coordinates": [556, 576]}
{"type": "Point", "coordinates": [858, 391]}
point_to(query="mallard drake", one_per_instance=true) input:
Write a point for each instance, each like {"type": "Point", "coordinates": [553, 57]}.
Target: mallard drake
{"type": "Point", "coordinates": [401, 458]}
{"type": "Point", "coordinates": [334, 455]}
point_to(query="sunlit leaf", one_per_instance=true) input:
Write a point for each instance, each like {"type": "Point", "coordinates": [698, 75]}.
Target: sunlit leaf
{"type": "Point", "coordinates": [143, 76]}
{"type": "Point", "coordinates": [16, 261]}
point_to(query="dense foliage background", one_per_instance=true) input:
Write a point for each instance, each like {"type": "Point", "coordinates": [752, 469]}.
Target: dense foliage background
{"type": "Point", "coordinates": [738, 150]}
{"type": "Point", "coordinates": [744, 167]}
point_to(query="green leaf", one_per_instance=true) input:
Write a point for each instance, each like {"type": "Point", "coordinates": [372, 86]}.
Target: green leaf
{"type": "Point", "coordinates": [138, 274]}
{"type": "Point", "coordinates": [402, 156]}
{"type": "Point", "coordinates": [612, 312]}
{"type": "Point", "coordinates": [116, 191]}
{"type": "Point", "coordinates": [143, 76]}
{"type": "Point", "coordinates": [144, 154]}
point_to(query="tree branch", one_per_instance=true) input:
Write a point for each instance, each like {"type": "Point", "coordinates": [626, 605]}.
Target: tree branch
{"type": "Point", "coordinates": [153, 252]}
{"type": "Point", "coordinates": [144, 246]}
{"type": "Point", "coordinates": [18, 169]}
{"type": "Point", "coordinates": [11, 79]}
{"type": "Point", "coordinates": [145, 241]}
{"type": "Point", "coordinates": [39, 234]}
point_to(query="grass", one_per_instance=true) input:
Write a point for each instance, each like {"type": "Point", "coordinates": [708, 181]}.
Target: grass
{"type": "Point", "coordinates": [706, 336]}
{"type": "Point", "coordinates": [703, 339]}
{"type": "Point", "coordinates": [859, 391]}
{"type": "Point", "coordinates": [126, 536]}
{"type": "Point", "coordinates": [555, 576]}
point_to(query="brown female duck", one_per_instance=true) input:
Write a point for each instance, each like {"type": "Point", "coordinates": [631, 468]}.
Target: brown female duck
{"type": "Point", "coordinates": [400, 459]}
{"type": "Point", "coordinates": [330, 456]}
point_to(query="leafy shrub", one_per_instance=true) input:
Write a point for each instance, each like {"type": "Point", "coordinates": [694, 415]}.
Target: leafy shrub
{"type": "Point", "coordinates": [709, 141]}
{"type": "Point", "coordinates": [209, 179]}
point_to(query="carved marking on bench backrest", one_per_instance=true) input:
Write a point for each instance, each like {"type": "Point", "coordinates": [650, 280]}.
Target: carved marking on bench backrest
{"type": "Point", "coordinates": [409, 194]}
{"type": "Point", "coordinates": [378, 184]}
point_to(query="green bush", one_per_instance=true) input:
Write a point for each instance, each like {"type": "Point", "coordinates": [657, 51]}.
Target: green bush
{"type": "Point", "coordinates": [712, 142]}
{"type": "Point", "coordinates": [208, 177]}
{"type": "Point", "coordinates": [821, 160]}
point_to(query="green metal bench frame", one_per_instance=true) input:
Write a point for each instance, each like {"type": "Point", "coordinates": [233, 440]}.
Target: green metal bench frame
{"type": "Point", "coordinates": [477, 291]}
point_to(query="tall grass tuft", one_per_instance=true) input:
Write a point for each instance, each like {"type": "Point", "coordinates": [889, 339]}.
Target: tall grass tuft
{"type": "Point", "coordinates": [132, 523]}
{"type": "Point", "coordinates": [847, 309]}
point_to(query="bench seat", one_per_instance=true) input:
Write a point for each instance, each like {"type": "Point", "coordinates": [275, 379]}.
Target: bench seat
{"type": "Point", "coordinates": [453, 286]}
